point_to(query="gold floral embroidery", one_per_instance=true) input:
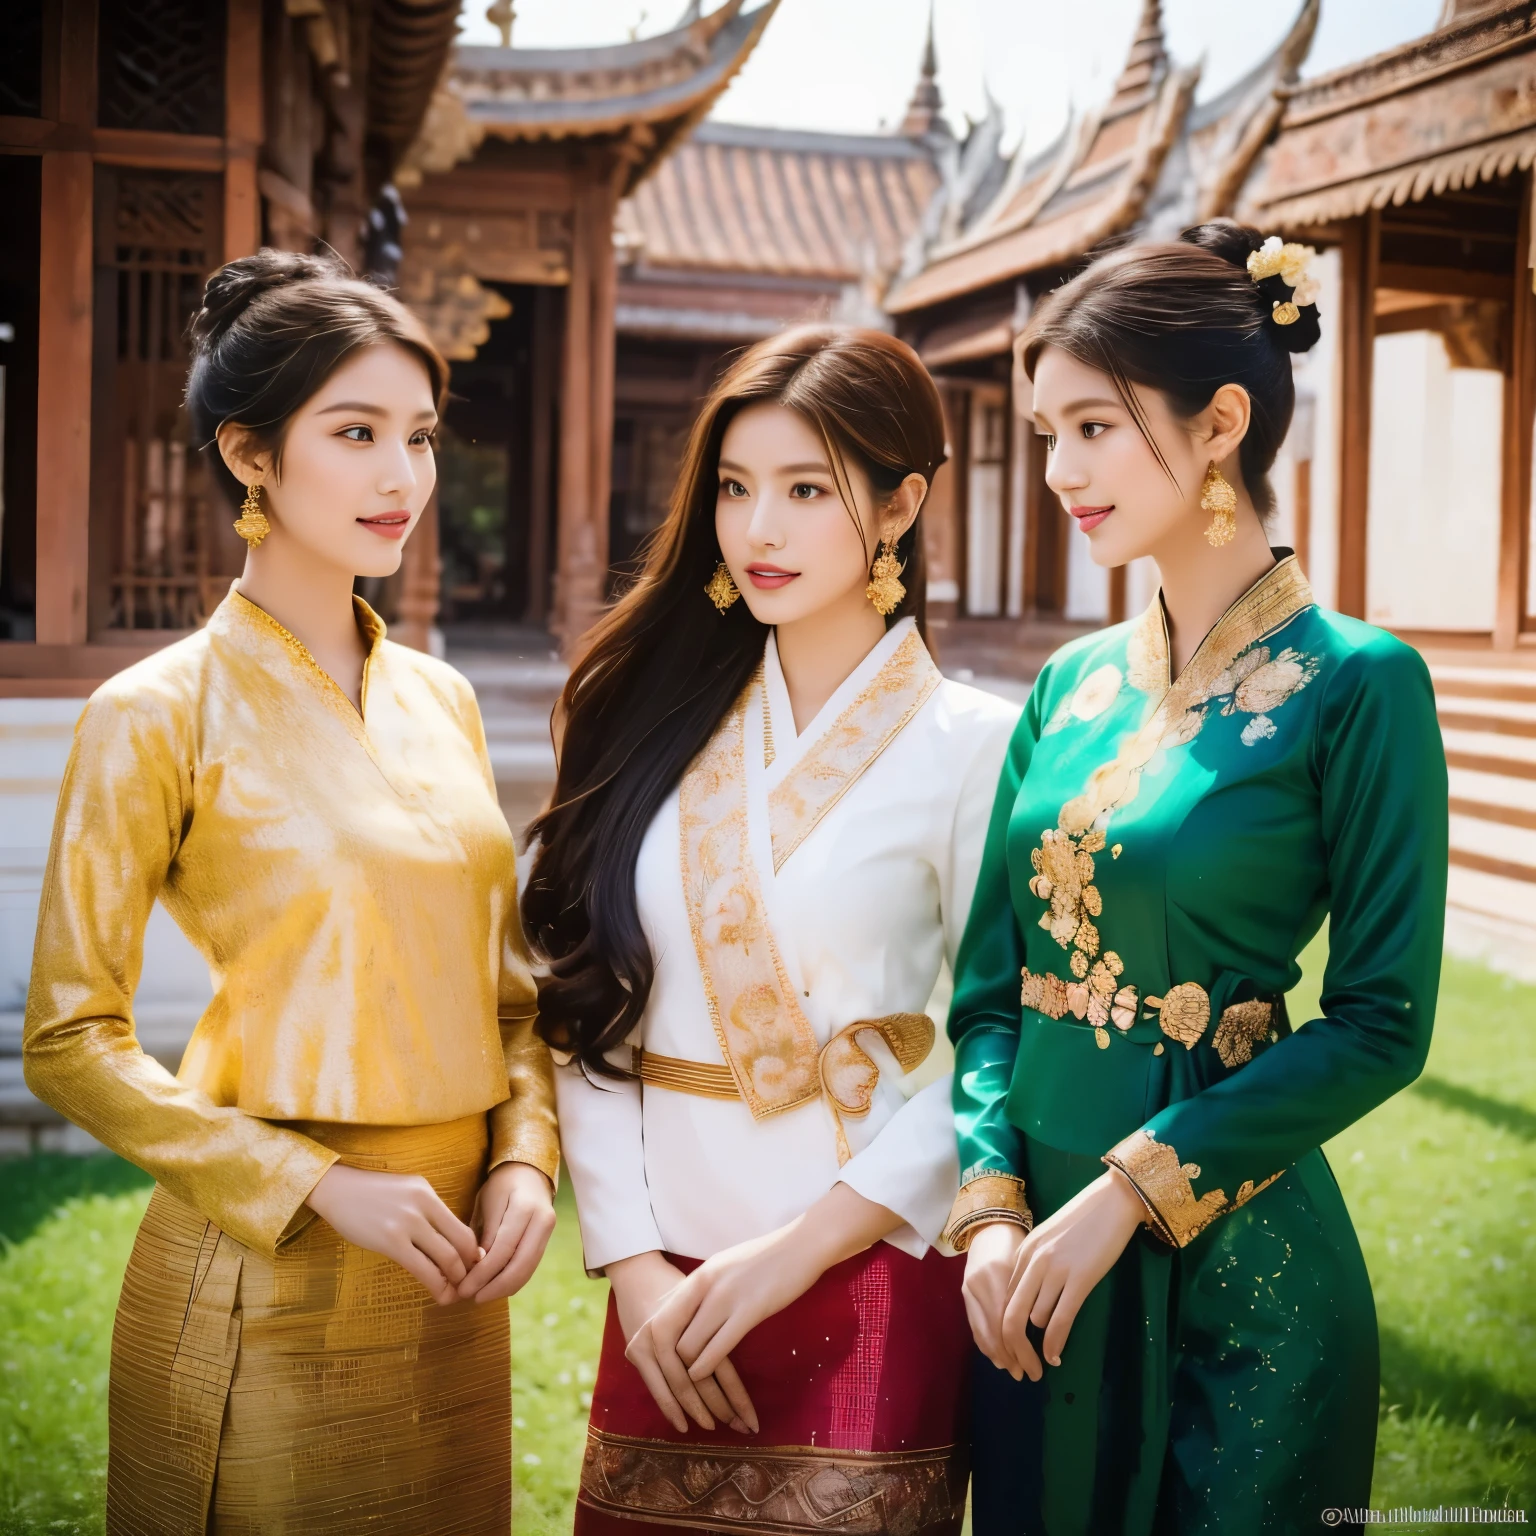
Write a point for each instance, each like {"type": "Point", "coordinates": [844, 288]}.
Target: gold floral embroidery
{"type": "Point", "coordinates": [1165, 1187]}
{"type": "Point", "coordinates": [1248, 1189]}
{"type": "Point", "coordinates": [765, 1038]}
{"type": "Point", "coordinates": [989, 1195]}
{"type": "Point", "coordinates": [852, 742]}
{"type": "Point", "coordinates": [1243, 1027]}
{"type": "Point", "coordinates": [1044, 993]}
{"type": "Point", "coordinates": [1228, 664]}
{"type": "Point", "coordinates": [1183, 1013]}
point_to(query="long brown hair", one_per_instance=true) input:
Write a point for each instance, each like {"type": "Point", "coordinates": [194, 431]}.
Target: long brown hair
{"type": "Point", "coordinates": [662, 667]}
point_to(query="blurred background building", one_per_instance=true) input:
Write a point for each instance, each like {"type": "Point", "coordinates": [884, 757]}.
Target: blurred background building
{"type": "Point", "coordinates": [590, 245]}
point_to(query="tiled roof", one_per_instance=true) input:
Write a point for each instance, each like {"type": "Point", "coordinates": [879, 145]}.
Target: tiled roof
{"type": "Point", "coordinates": [781, 203]}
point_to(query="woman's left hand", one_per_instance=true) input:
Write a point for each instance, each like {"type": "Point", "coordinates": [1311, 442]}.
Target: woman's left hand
{"type": "Point", "coordinates": [514, 1215]}
{"type": "Point", "coordinates": [1062, 1260]}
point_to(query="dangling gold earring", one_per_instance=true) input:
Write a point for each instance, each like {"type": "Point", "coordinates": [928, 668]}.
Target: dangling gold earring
{"type": "Point", "coordinates": [720, 589]}
{"type": "Point", "coordinates": [885, 590]}
{"type": "Point", "coordinates": [1219, 499]}
{"type": "Point", "coordinates": [252, 524]}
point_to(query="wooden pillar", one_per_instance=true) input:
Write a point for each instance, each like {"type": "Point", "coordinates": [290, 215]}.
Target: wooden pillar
{"type": "Point", "coordinates": [604, 344]}
{"type": "Point", "coordinates": [1303, 532]}
{"type": "Point", "coordinates": [242, 129]}
{"type": "Point", "coordinates": [1357, 343]}
{"type": "Point", "coordinates": [1519, 418]}
{"type": "Point", "coordinates": [586, 417]}
{"type": "Point", "coordinates": [544, 373]}
{"type": "Point", "coordinates": [64, 335]}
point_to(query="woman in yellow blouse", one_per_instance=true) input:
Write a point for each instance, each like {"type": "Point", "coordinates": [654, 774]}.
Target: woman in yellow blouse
{"type": "Point", "coordinates": [363, 1123]}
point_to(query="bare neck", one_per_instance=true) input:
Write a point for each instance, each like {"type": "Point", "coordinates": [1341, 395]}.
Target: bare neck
{"type": "Point", "coordinates": [1201, 582]}
{"type": "Point", "coordinates": [312, 600]}
{"type": "Point", "coordinates": [817, 653]}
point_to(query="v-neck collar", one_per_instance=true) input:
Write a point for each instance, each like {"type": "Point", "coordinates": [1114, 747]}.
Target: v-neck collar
{"type": "Point", "coordinates": [788, 745]}
{"type": "Point", "coordinates": [370, 626]}
{"type": "Point", "coordinates": [1273, 600]}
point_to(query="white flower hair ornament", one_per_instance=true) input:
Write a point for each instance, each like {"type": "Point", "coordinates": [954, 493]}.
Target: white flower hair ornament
{"type": "Point", "coordinates": [1290, 263]}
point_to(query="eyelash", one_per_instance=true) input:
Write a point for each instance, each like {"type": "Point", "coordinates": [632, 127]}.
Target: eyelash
{"type": "Point", "coordinates": [731, 487]}
{"type": "Point", "coordinates": [423, 438]}
{"type": "Point", "coordinates": [1090, 431]}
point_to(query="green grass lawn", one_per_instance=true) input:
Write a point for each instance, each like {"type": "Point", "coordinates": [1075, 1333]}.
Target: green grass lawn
{"type": "Point", "coordinates": [1440, 1181]}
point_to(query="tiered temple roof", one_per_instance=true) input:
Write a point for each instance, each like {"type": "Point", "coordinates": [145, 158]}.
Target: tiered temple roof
{"type": "Point", "coordinates": [1148, 157]}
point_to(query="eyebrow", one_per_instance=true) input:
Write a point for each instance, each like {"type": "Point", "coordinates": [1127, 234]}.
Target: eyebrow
{"type": "Point", "coordinates": [784, 469]}
{"type": "Point", "coordinates": [1094, 401]}
{"type": "Point", "coordinates": [363, 408]}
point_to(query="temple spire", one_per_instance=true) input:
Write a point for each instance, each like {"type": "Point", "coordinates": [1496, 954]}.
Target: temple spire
{"type": "Point", "coordinates": [1145, 64]}
{"type": "Point", "coordinates": [925, 110]}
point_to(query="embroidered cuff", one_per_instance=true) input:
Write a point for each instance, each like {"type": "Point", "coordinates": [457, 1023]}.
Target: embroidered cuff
{"type": "Point", "coordinates": [988, 1196]}
{"type": "Point", "coordinates": [1164, 1184]}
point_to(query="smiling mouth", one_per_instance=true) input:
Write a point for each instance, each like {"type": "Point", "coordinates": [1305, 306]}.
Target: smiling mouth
{"type": "Point", "coordinates": [769, 578]}
{"type": "Point", "coordinates": [388, 525]}
{"type": "Point", "coordinates": [1089, 518]}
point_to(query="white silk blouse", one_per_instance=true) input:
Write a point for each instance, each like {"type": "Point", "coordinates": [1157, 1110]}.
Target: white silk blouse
{"type": "Point", "coordinates": [865, 910]}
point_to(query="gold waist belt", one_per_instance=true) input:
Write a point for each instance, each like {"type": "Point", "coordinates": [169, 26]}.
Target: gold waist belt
{"type": "Point", "coordinates": [846, 1071]}
{"type": "Point", "coordinates": [1183, 1012]}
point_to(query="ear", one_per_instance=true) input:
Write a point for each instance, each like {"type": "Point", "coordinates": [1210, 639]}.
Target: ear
{"type": "Point", "coordinates": [247, 462]}
{"type": "Point", "coordinates": [902, 509]}
{"type": "Point", "coordinates": [1223, 424]}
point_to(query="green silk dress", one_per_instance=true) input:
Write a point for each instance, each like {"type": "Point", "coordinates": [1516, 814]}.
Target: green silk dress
{"type": "Point", "coordinates": [1160, 852]}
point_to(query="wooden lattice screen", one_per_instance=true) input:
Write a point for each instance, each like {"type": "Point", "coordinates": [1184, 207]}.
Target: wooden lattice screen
{"type": "Point", "coordinates": [159, 234]}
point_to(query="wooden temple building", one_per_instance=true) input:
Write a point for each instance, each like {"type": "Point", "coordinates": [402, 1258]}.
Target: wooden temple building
{"type": "Point", "coordinates": [141, 145]}
{"type": "Point", "coordinates": [1146, 162]}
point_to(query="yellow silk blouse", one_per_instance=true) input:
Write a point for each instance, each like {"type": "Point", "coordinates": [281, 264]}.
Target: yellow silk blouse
{"type": "Point", "coordinates": [348, 877]}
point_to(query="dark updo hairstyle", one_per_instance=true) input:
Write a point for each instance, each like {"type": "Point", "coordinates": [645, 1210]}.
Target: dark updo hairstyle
{"type": "Point", "coordinates": [662, 667]}
{"type": "Point", "coordinates": [272, 329]}
{"type": "Point", "coordinates": [1184, 318]}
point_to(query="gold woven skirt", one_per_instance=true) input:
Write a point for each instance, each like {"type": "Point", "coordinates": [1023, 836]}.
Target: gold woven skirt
{"type": "Point", "coordinates": [321, 1391]}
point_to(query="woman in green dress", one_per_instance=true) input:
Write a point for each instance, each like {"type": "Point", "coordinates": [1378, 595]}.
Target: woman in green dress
{"type": "Point", "coordinates": [1187, 797]}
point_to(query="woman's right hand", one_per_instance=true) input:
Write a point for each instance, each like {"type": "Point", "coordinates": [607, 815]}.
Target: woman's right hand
{"type": "Point", "coordinates": [989, 1262]}
{"type": "Point", "coordinates": [401, 1217]}
{"type": "Point", "coordinates": [640, 1285]}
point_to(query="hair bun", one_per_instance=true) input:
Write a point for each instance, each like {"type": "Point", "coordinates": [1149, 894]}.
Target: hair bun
{"type": "Point", "coordinates": [1235, 243]}
{"type": "Point", "coordinates": [238, 284]}
{"type": "Point", "coordinates": [1226, 238]}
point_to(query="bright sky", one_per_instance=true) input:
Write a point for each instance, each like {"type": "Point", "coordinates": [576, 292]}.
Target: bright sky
{"type": "Point", "coordinates": [849, 65]}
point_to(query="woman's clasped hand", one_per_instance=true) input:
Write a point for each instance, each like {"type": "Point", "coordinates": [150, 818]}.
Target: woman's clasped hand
{"type": "Point", "coordinates": [403, 1218]}
{"type": "Point", "coordinates": [1015, 1278]}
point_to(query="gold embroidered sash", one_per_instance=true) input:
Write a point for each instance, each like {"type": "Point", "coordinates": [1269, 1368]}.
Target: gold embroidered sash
{"type": "Point", "coordinates": [847, 1071]}
{"type": "Point", "coordinates": [768, 1044]}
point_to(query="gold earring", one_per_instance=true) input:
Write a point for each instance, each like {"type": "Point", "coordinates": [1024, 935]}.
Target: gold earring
{"type": "Point", "coordinates": [720, 589]}
{"type": "Point", "coordinates": [1219, 499]}
{"type": "Point", "coordinates": [252, 524]}
{"type": "Point", "coordinates": [885, 590]}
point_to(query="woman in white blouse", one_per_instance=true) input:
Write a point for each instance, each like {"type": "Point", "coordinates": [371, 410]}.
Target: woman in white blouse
{"type": "Point", "coordinates": [762, 847]}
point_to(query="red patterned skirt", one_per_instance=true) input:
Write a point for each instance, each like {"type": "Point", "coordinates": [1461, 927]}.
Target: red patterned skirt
{"type": "Point", "coordinates": [862, 1391]}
